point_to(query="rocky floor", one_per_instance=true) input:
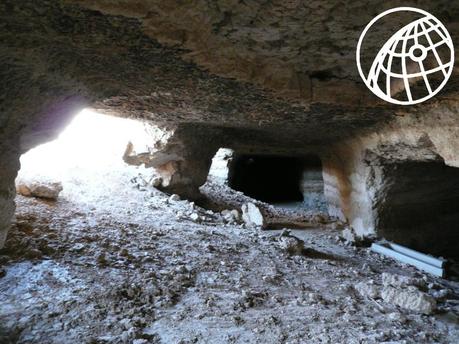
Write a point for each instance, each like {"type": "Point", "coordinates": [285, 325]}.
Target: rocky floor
{"type": "Point", "coordinates": [134, 265]}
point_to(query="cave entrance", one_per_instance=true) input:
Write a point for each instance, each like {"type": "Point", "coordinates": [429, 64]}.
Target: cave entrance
{"type": "Point", "coordinates": [279, 180]}
{"type": "Point", "coordinates": [419, 207]}
{"type": "Point", "coordinates": [86, 158]}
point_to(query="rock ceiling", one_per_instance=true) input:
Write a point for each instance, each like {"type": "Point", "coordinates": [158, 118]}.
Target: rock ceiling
{"type": "Point", "coordinates": [274, 72]}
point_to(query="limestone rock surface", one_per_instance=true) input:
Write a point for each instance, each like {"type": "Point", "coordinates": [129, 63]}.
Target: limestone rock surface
{"type": "Point", "coordinates": [409, 298]}
{"type": "Point", "coordinates": [39, 188]}
{"type": "Point", "coordinates": [252, 215]}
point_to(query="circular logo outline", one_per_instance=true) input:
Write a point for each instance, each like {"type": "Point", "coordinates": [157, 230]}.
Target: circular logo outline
{"type": "Point", "coordinates": [384, 96]}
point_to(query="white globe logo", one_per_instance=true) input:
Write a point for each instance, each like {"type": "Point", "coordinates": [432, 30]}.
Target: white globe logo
{"type": "Point", "coordinates": [414, 49]}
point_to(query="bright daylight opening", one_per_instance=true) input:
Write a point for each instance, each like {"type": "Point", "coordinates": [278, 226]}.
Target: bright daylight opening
{"type": "Point", "coordinates": [86, 158]}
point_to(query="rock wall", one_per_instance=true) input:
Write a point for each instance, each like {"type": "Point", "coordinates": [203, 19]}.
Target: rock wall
{"type": "Point", "coordinates": [357, 172]}
{"type": "Point", "coordinates": [30, 114]}
{"type": "Point", "coordinates": [418, 206]}
{"type": "Point", "coordinates": [9, 158]}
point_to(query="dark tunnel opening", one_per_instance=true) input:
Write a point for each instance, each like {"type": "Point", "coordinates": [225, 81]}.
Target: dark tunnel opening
{"type": "Point", "coordinates": [280, 180]}
{"type": "Point", "coordinates": [420, 207]}
{"type": "Point", "coordinates": [271, 179]}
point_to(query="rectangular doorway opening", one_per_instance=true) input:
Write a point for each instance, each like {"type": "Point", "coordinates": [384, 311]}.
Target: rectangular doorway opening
{"type": "Point", "coordinates": [279, 180]}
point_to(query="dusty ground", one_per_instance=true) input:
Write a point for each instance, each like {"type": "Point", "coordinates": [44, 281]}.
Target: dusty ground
{"type": "Point", "coordinates": [124, 264]}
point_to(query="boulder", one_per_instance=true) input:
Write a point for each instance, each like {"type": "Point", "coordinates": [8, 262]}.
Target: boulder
{"type": "Point", "coordinates": [231, 216]}
{"type": "Point", "coordinates": [368, 289]}
{"type": "Point", "coordinates": [252, 215]}
{"type": "Point", "coordinates": [409, 298]}
{"type": "Point", "coordinates": [401, 281]}
{"type": "Point", "coordinates": [39, 188]}
{"type": "Point", "coordinates": [156, 181]}
{"type": "Point", "coordinates": [404, 292]}
{"type": "Point", "coordinates": [174, 198]}
{"type": "Point", "coordinates": [291, 245]}
{"type": "Point", "coordinates": [195, 217]}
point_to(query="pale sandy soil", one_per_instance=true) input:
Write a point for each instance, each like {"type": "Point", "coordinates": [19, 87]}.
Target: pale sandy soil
{"type": "Point", "coordinates": [113, 261]}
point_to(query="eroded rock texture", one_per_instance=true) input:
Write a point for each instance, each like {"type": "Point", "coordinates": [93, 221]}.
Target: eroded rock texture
{"type": "Point", "coordinates": [8, 172]}
{"type": "Point", "coordinates": [274, 77]}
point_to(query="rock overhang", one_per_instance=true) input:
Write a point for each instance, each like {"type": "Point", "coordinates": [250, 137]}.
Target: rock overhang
{"type": "Point", "coordinates": [123, 58]}
{"type": "Point", "coordinates": [278, 77]}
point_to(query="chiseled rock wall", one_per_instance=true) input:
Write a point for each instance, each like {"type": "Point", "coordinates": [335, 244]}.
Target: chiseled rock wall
{"type": "Point", "coordinates": [355, 170]}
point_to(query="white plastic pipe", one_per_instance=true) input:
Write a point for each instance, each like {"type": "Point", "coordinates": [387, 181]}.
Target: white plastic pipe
{"type": "Point", "coordinates": [439, 263]}
{"type": "Point", "coordinates": [434, 270]}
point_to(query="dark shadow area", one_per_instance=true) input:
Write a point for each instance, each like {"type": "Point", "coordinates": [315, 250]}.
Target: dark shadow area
{"type": "Point", "coordinates": [315, 254]}
{"type": "Point", "coordinates": [267, 178]}
{"type": "Point", "coordinates": [9, 336]}
{"type": "Point", "coordinates": [419, 207]}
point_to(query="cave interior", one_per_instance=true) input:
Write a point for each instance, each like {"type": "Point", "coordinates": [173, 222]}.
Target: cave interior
{"type": "Point", "coordinates": [212, 172]}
